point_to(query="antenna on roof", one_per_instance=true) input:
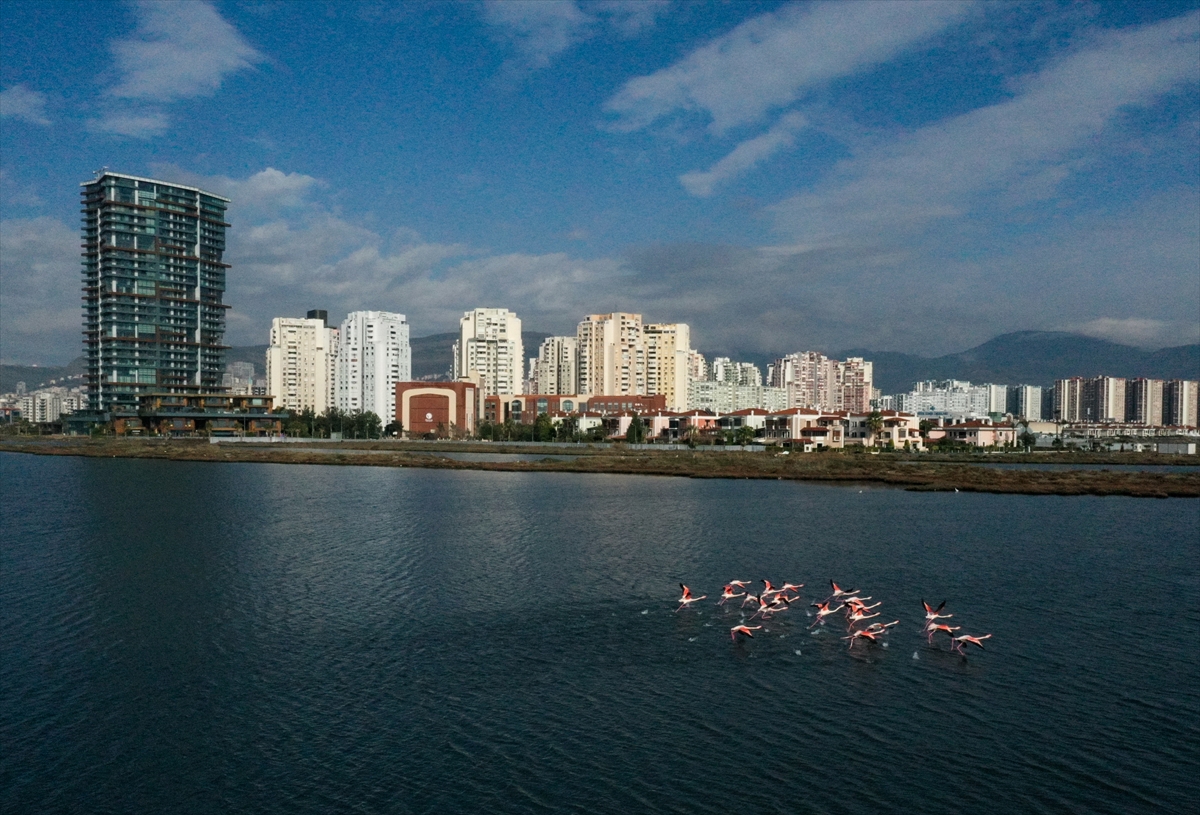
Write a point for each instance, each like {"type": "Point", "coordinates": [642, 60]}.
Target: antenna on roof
{"type": "Point", "coordinates": [101, 171]}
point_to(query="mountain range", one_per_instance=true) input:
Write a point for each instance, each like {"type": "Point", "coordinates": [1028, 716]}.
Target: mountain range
{"type": "Point", "coordinates": [1019, 358]}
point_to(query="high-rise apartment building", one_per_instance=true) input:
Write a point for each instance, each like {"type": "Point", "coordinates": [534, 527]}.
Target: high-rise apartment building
{"type": "Point", "coordinates": [815, 381]}
{"type": "Point", "coordinates": [1144, 401]}
{"type": "Point", "coordinates": [373, 354]}
{"type": "Point", "coordinates": [697, 366]}
{"type": "Point", "coordinates": [1179, 402]}
{"type": "Point", "coordinates": [668, 347]}
{"type": "Point", "coordinates": [723, 369]}
{"type": "Point", "coordinates": [558, 366]}
{"type": "Point", "coordinates": [612, 355]}
{"type": "Point", "coordinates": [300, 364]}
{"type": "Point", "coordinates": [1027, 402]}
{"type": "Point", "coordinates": [1104, 399]}
{"type": "Point", "coordinates": [153, 280]}
{"type": "Point", "coordinates": [1068, 399]}
{"type": "Point", "coordinates": [489, 351]}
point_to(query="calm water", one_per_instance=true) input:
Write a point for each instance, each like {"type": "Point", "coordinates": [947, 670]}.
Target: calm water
{"type": "Point", "coordinates": [180, 637]}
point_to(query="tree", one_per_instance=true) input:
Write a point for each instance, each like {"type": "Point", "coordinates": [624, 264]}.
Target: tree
{"type": "Point", "coordinates": [393, 429]}
{"type": "Point", "coordinates": [568, 428]}
{"type": "Point", "coordinates": [745, 435]}
{"type": "Point", "coordinates": [1027, 440]}
{"type": "Point", "coordinates": [874, 424]}
{"type": "Point", "coordinates": [543, 428]}
{"type": "Point", "coordinates": [636, 434]}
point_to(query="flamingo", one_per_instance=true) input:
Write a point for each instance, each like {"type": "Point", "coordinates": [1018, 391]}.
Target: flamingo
{"type": "Point", "coordinates": [838, 591]}
{"type": "Point", "coordinates": [881, 628]}
{"type": "Point", "coordinates": [687, 599]}
{"type": "Point", "coordinates": [935, 627]}
{"type": "Point", "coordinates": [865, 634]}
{"type": "Point", "coordinates": [932, 613]}
{"type": "Point", "coordinates": [741, 584]}
{"type": "Point", "coordinates": [743, 629]}
{"type": "Point", "coordinates": [727, 594]}
{"type": "Point", "coordinates": [823, 611]}
{"type": "Point", "coordinates": [857, 603]}
{"type": "Point", "coordinates": [967, 638]}
{"type": "Point", "coordinates": [768, 588]}
{"type": "Point", "coordinates": [858, 617]}
{"type": "Point", "coordinates": [780, 603]}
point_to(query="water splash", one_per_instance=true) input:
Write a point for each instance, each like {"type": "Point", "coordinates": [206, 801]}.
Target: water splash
{"type": "Point", "coordinates": [915, 655]}
{"type": "Point", "coordinates": [797, 652]}
{"type": "Point", "coordinates": [646, 611]}
{"type": "Point", "coordinates": [884, 644]}
{"type": "Point", "coordinates": [692, 639]}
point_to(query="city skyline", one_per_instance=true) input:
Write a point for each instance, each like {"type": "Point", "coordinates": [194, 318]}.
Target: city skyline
{"type": "Point", "coordinates": [988, 168]}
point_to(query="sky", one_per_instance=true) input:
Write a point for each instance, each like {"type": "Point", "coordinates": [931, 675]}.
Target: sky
{"type": "Point", "coordinates": [892, 176]}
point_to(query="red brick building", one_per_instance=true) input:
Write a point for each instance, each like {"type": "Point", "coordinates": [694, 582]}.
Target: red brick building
{"type": "Point", "coordinates": [436, 407]}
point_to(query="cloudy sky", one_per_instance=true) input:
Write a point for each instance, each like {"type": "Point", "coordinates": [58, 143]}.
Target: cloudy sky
{"type": "Point", "coordinates": [894, 176]}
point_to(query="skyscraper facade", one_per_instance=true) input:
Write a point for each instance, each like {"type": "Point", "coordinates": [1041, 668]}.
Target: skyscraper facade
{"type": "Point", "coordinates": [373, 355]}
{"type": "Point", "coordinates": [153, 282]}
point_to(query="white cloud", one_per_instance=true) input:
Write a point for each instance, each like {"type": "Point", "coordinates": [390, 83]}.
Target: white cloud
{"type": "Point", "coordinates": [746, 156]}
{"type": "Point", "coordinates": [541, 29]}
{"type": "Point", "coordinates": [1014, 148]}
{"type": "Point", "coordinates": [263, 193]}
{"type": "Point", "coordinates": [770, 61]}
{"type": "Point", "coordinates": [631, 17]}
{"type": "Point", "coordinates": [141, 125]}
{"type": "Point", "coordinates": [19, 102]}
{"type": "Point", "coordinates": [40, 315]}
{"type": "Point", "coordinates": [1142, 332]}
{"type": "Point", "coordinates": [181, 50]}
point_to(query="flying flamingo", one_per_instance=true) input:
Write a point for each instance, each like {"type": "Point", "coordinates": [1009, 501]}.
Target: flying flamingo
{"type": "Point", "coordinates": [932, 613]}
{"type": "Point", "coordinates": [751, 598]}
{"type": "Point", "coordinates": [881, 628]}
{"type": "Point", "coordinates": [727, 594]}
{"type": "Point", "coordinates": [865, 634]}
{"type": "Point", "coordinates": [967, 638]}
{"type": "Point", "coordinates": [838, 591]}
{"type": "Point", "coordinates": [823, 611]}
{"type": "Point", "coordinates": [934, 627]}
{"type": "Point", "coordinates": [858, 617]}
{"type": "Point", "coordinates": [768, 588]}
{"type": "Point", "coordinates": [741, 584]}
{"type": "Point", "coordinates": [687, 599]}
{"type": "Point", "coordinates": [743, 629]}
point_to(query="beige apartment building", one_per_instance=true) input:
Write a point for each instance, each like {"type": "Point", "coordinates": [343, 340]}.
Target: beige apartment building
{"type": "Point", "coordinates": [489, 350]}
{"type": "Point", "coordinates": [612, 355]}
{"type": "Point", "coordinates": [556, 370]}
{"type": "Point", "coordinates": [668, 351]}
{"type": "Point", "coordinates": [300, 363]}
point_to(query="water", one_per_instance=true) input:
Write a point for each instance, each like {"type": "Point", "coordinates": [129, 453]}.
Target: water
{"type": "Point", "coordinates": [192, 637]}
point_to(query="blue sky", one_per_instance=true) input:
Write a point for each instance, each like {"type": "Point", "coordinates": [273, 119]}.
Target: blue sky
{"type": "Point", "coordinates": [893, 176]}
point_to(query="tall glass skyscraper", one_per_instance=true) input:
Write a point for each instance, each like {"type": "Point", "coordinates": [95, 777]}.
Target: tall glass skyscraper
{"type": "Point", "coordinates": [153, 280]}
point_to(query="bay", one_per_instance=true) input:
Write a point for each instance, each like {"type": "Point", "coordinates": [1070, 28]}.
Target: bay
{"type": "Point", "coordinates": [195, 637]}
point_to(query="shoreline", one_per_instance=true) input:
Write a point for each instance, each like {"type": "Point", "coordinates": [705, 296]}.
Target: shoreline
{"type": "Point", "coordinates": [939, 474]}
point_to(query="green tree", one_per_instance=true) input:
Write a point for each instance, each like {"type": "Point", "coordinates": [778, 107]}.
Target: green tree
{"type": "Point", "coordinates": [1026, 440]}
{"type": "Point", "coordinates": [874, 424]}
{"type": "Point", "coordinates": [543, 428]}
{"type": "Point", "coordinates": [636, 434]}
{"type": "Point", "coordinates": [568, 429]}
{"type": "Point", "coordinates": [744, 435]}
{"type": "Point", "coordinates": [393, 429]}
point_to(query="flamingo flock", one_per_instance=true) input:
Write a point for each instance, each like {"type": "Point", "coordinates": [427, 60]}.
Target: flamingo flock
{"type": "Point", "coordinates": [857, 611]}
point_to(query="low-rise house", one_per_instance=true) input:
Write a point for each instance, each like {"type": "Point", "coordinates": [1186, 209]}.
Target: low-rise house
{"type": "Point", "coordinates": [977, 433]}
{"type": "Point", "coordinates": [798, 426]}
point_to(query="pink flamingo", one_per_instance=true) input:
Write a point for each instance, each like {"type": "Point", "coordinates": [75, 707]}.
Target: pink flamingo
{"type": "Point", "coordinates": [967, 638]}
{"type": "Point", "coordinates": [727, 594]}
{"type": "Point", "coordinates": [687, 599]}
{"type": "Point", "coordinates": [743, 629]}
{"type": "Point", "coordinates": [823, 611]}
{"type": "Point", "coordinates": [934, 627]}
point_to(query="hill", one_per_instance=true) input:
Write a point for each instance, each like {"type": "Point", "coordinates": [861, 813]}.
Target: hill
{"type": "Point", "coordinates": [1032, 358]}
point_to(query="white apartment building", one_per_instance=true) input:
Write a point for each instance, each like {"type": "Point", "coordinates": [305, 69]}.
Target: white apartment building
{"type": "Point", "coordinates": [726, 397]}
{"type": "Point", "coordinates": [373, 355]}
{"type": "Point", "coordinates": [489, 351]}
{"type": "Point", "coordinates": [741, 373]}
{"type": "Point", "coordinates": [300, 364]}
{"type": "Point", "coordinates": [1144, 401]}
{"type": "Point", "coordinates": [1029, 402]}
{"type": "Point", "coordinates": [997, 396]}
{"type": "Point", "coordinates": [949, 397]}
{"type": "Point", "coordinates": [612, 355]}
{"type": "Point", "coordinates": [696, 366]}
{"type": "Point", "coordinates": [50, 404]}
{"type": "Point", "coordinates": [668, 350]}
{"type": "Point", "coordinates": [1179, 402]}
{"type": "Point", "coordinates": [557, 367]}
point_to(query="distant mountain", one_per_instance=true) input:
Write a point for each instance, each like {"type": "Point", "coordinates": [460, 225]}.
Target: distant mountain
{"type": "Point", "coordinates": [1020, 358]}
{"type": "Point", "coordinates": [1032, 358]}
